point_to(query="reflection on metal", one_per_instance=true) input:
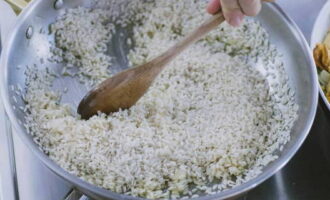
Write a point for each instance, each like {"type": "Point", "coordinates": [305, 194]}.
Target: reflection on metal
{"type": "Point", "coordinates": [76, 195]}
{"type": "Point", "coordinates": [8, 186]}
{"type": "Point", "coordinates": [280, 184]}
{"type": "Point", "coordinates": [58, 4]}
{"type": "Point", "coordinates": [29, 32]}
{"type": "Point", "coordinates": [73, 195]}
{"type": "Point", "coordinates": [84, 198]}
{"type": "Point", "coordinates": [8, 181]}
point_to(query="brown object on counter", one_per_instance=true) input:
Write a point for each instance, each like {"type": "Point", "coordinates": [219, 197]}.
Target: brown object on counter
{"type": "Point", "coordinates": [327, 91]}
{"type": "Point", "coordinates": [322, 56]}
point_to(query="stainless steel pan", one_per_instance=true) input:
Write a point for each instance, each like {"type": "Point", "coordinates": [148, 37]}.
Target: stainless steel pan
{"type": "Point", "coordinates": [27, 45]}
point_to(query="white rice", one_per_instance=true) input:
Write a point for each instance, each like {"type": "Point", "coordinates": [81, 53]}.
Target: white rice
{"type": "Point", "coordinates": [88, 51]}
{"type": "Point", "coordinates": [213, 116]}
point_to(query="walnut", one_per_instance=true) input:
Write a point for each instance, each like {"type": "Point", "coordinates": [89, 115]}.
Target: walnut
{"type": "Point", "coordinates": [322, 57]}
{"type": "Point", "coordinates": [327, 91]}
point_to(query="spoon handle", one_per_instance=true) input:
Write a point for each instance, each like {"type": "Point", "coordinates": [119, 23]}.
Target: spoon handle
{"type": "Point", "coordinates": [197, 34]}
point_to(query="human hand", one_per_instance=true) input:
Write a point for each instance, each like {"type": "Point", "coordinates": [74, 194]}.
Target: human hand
{"type": "Point", "coordinates": [234, 10]}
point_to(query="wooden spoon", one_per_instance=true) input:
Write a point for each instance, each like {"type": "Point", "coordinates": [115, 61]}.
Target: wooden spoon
{"type": "Point", "coordinates": [126, 88]}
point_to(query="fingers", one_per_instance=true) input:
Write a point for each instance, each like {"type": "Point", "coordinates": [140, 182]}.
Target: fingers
{"type": "Point", "coordinates": [250, 7]}
{"type": "Point", "coordinates": [232, 12]}
{"type": "Point", "coordinates": [213, 7]}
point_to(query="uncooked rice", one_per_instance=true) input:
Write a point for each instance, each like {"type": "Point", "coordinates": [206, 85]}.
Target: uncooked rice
{"type": "Point", "coordinates": [211, 121]}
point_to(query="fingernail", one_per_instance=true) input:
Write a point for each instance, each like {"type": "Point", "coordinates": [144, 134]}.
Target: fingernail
{"type": "Point", "coordinates": [235, 20]}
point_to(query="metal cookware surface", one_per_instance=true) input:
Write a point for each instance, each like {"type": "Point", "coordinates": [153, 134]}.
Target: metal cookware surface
{"type": "Point", "coordinates": [27, 46]}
